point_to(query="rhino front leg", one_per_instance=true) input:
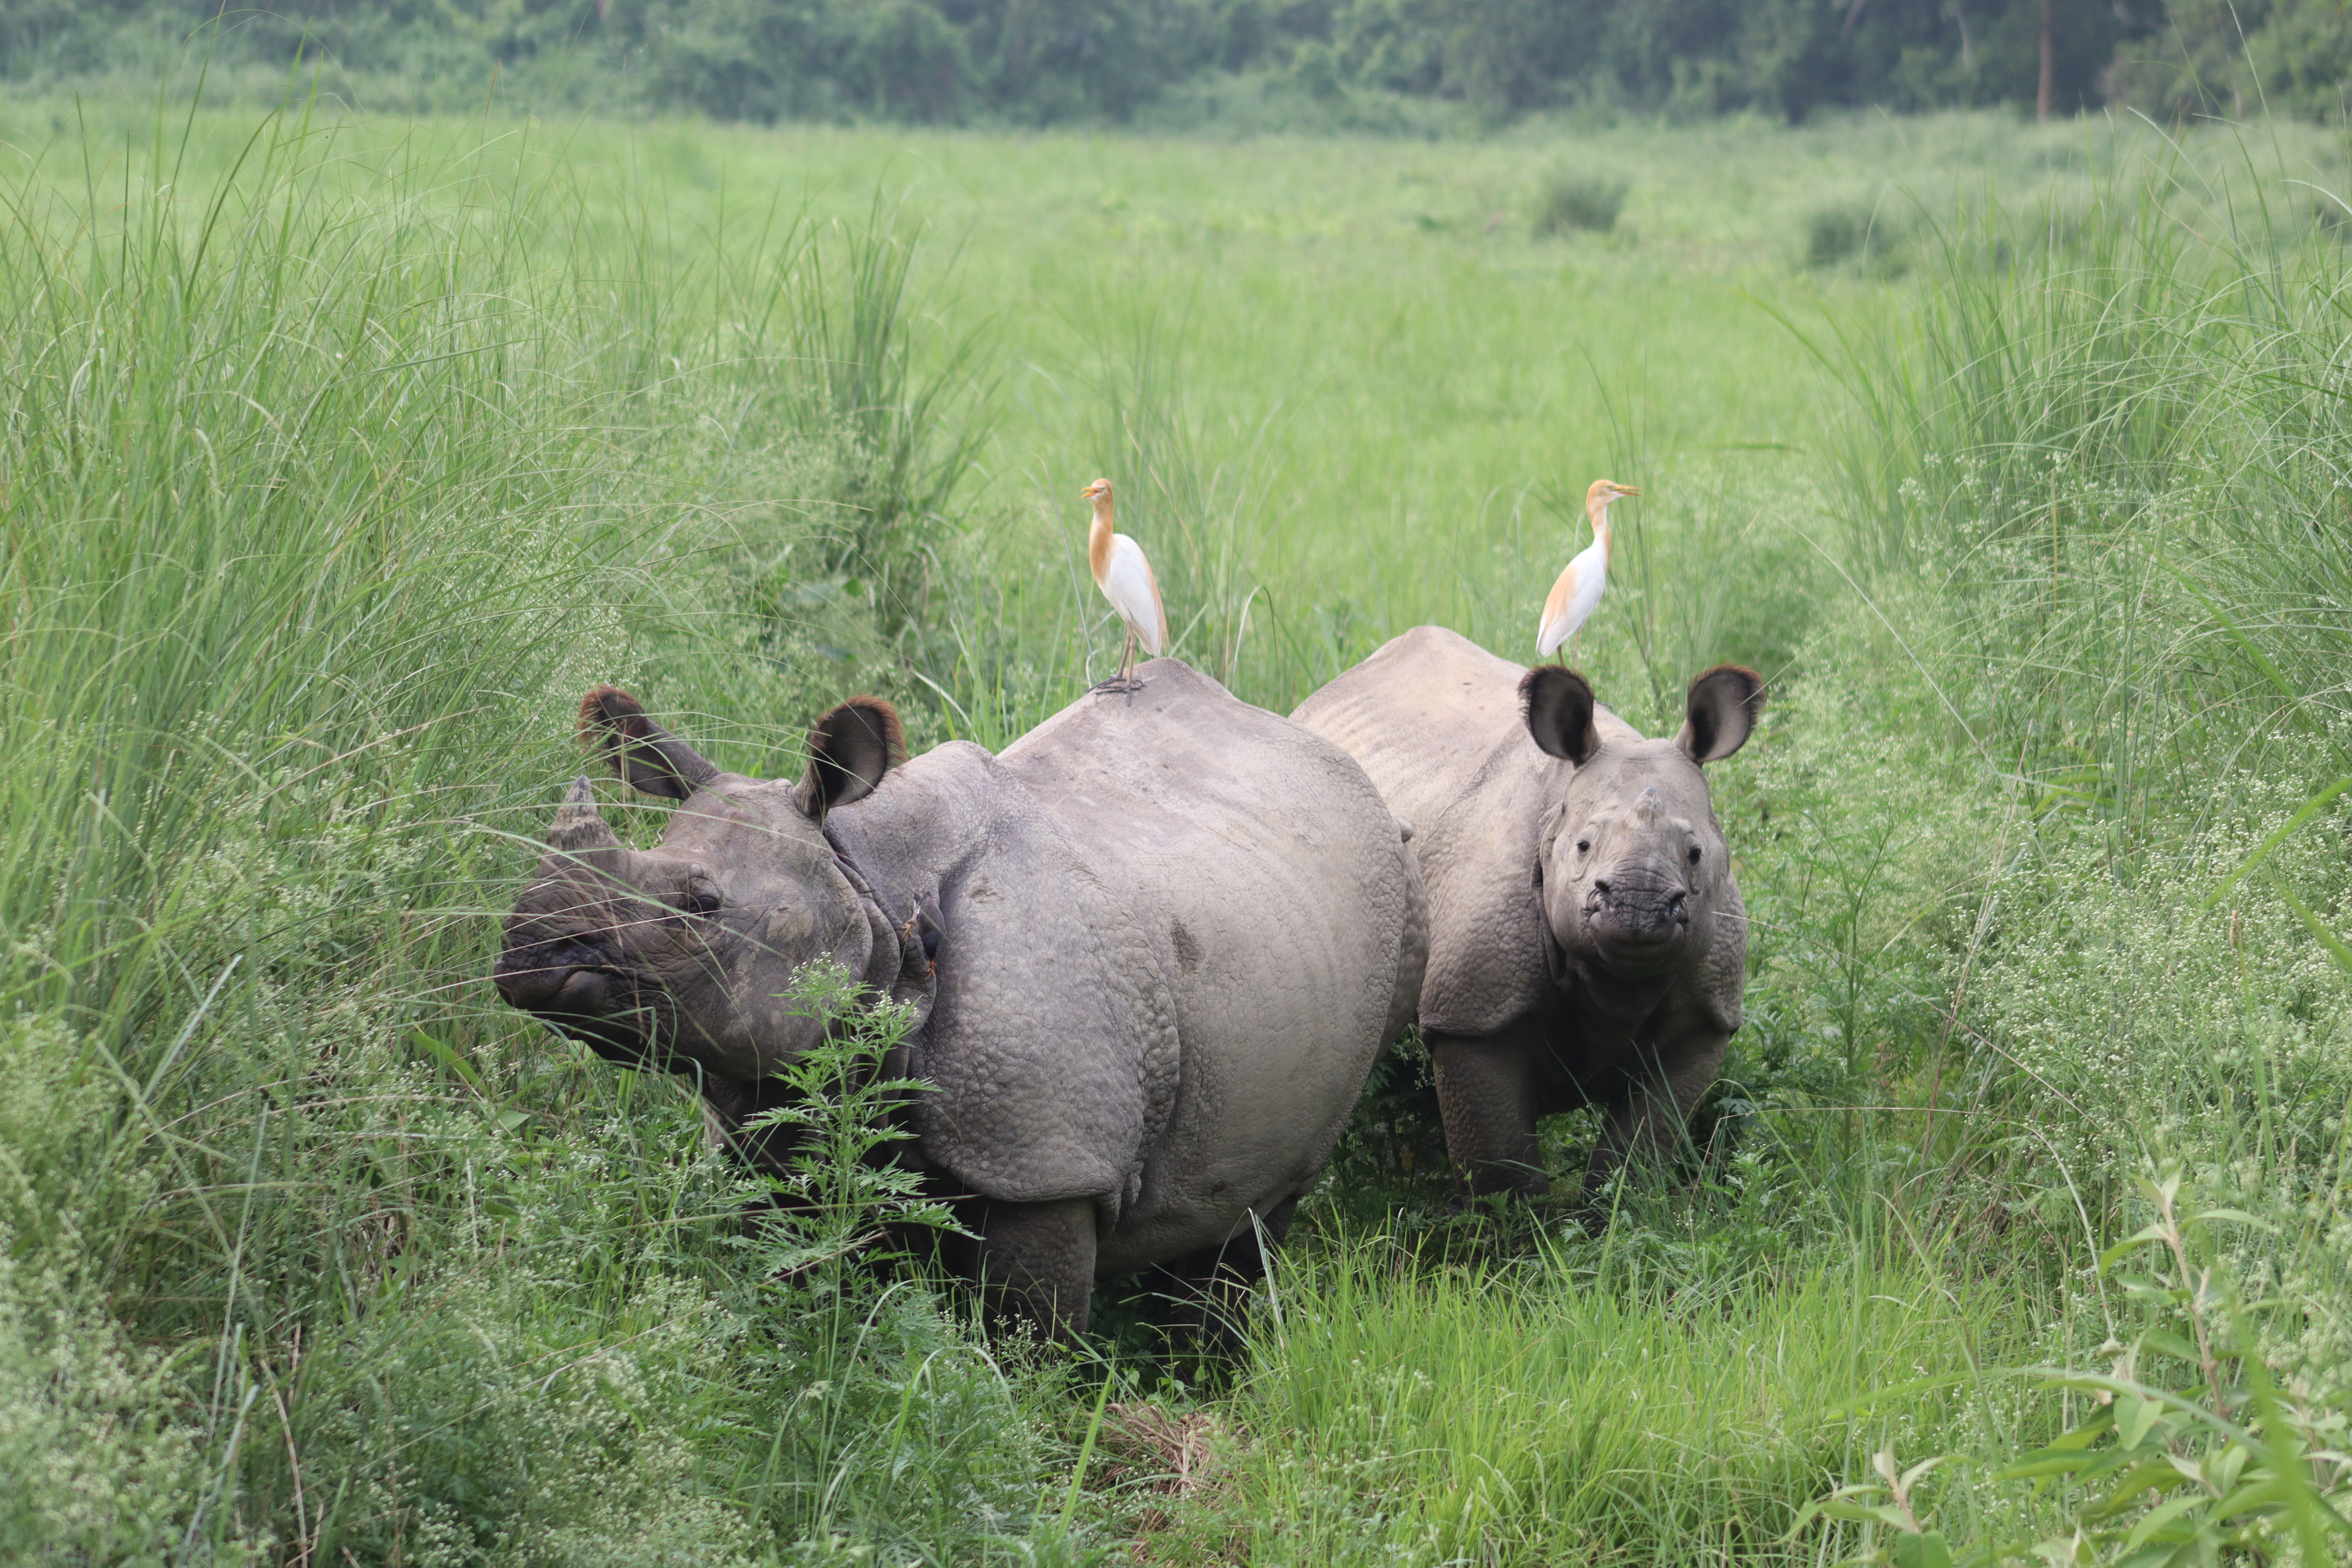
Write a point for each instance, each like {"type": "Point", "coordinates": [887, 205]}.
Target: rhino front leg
{"type": "Point", "coordinates": [1037, 1264]}
{"type": "Point", "coordinates": [1486, 1096]}
{"type": "Point", "coordinates": [1650, 1121]}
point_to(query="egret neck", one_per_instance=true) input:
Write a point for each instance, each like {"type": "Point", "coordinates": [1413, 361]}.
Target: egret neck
{"type": "Point", "coordinates": [1099, 537]}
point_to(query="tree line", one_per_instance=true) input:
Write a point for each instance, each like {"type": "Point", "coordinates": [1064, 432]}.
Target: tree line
{"type": "Point", "coordinates": [1046, 61]}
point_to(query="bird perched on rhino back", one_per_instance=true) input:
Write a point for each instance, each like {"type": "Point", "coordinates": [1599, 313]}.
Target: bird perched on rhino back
{"type": "Point", "coordinates": [1151, 950]}
{"type": "Point", "coordinates": [1577, 592]}
{"type": "Point", "coordinates": [1587, 942]}
{"type": "Point", "coordinates": [1125, 577]}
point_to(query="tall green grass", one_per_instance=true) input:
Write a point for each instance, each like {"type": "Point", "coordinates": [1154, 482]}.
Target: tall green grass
{"type": "Point", "coordinates": [1606, 1413]}
{"type": "Point", "coordinates": [2043, 856]}
{"type": "Point", "coordinates": [2099, 557]}
{"type": "Point", "coordinates": [331, 473]}
{"type": "Point", "coordinates": [338, 458]}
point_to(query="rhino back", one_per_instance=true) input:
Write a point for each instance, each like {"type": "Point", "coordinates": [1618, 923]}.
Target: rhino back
{"type": "Point", "coordinates": [1421, 715]}
{"type": "Point", "coordinates": [1051, 1043]}
{"type": "Point", "coordinates": [1288, 913]}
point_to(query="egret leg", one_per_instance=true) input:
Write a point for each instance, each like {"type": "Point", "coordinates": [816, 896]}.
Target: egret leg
{"type": "Point", "coordinates": [1123, 680]}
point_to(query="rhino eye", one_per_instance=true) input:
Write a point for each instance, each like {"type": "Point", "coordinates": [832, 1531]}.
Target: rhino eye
{"type": "Point", "coordinates": [1584, 847]}
{"type": "Point", "coordinates": [1693, 854]}
{"type": "Point", "coordinates": [699, 899]}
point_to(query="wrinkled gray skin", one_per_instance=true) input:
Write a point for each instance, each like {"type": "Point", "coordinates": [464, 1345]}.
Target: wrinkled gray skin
{"type": "Point", "coordinates": [1587, 942]}
{"type": "Point", "coordinates": [1172, 932]}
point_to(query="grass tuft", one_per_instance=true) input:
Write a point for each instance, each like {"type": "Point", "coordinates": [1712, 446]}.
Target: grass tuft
{"type": "Point", "coordinates": [1574, 199]}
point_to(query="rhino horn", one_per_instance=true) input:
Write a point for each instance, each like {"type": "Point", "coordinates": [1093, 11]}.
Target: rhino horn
{"type": "Point", "coordinates": [580, 835]}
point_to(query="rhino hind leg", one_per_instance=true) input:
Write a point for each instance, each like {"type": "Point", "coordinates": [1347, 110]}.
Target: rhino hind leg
{"type": "Point", "coordinates": [1036, 1265]}
{"type": "Point", "coordinates": [1487, 1093]}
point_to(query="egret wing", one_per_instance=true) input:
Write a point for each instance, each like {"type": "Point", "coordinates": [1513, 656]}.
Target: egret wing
{"type": "Point", "coordinates": [1553, 629]}
{"type": "Point", "coordinates": [1132, 591]}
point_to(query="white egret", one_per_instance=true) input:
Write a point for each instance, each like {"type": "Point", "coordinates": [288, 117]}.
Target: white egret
{"type": "Point", "coordinates": [1577, 593]}
{"type": "Point", "coordinates": [1125, 578]}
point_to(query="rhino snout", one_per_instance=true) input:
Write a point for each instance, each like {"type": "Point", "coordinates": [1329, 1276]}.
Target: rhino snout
{"type": "Point", "coordinates": [587, 991]}
{"type": "Point", "coordinates": [562, 975]}
{"type": "Point", "coordinates": [563, 983]}
{"type": "Point", "coordinates": [1637, 908]}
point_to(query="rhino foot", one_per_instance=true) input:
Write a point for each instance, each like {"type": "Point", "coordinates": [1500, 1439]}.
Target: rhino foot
{"type": "Point", "coordinates": [1037, 1266]}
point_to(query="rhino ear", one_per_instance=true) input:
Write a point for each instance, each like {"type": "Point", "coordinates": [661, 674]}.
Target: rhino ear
{"type": "Point", "coordinates": [1557, 706]}
{"type": "Point", "coordinates": [651, 758]}
{"type": "Point", "coordinates": [1723, 708]}
{"type": "Point", "coordinates": [849, 750]}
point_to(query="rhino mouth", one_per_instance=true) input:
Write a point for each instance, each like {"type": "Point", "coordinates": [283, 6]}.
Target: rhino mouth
{"type": "Point", "coordinates": [569, 986]}
{"type": "Point", "coordinates": [1637, 916]}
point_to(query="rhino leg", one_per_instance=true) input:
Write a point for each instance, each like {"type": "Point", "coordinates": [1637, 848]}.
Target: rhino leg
{"type": "Point", "coordinates": [1211, 1289]}
{"type": "Point", "coordinates": [1486, 1092]}
{"type": "Point", "coordinates": [1037, 1264]}
{"type": "Point", "coordinates": [1649, 1121]}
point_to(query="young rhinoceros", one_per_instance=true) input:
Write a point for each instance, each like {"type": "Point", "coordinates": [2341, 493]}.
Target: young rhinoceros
{"type": "Point", "coordinates": [1155, 947]}
{"type": "Point", "coordinates": [1587, 945]}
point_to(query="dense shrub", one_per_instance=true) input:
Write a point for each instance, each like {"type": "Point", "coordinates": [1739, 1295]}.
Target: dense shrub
{"type": "Point", "coordinates": [2216, 58]}
{"type": "Point", "coordinates": [1579, 200]}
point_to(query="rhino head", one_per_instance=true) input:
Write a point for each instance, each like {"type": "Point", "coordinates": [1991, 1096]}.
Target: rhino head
{"type": "Point", "coordinates": [680, 956]}
{"type": "Point", "coordinates": [1632, 863]}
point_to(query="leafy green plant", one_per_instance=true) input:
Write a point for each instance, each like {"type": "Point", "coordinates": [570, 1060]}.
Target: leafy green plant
{"type": "Point", "coordinates": [839, 1194]}
{"type": "Point", "coordinates": [892, 1423]}
{"type": "Point", "coordinates": [2191, 1451]}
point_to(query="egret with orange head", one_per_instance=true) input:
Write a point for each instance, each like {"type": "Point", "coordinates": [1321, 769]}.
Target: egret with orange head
{"type": "Point", "coordinates": [1577, 593]}
{"type": "Point", "coordinates": [1125, 578]}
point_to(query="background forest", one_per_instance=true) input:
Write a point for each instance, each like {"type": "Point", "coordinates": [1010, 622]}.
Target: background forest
{"type": "Point", "coordinates": [1367, 64]}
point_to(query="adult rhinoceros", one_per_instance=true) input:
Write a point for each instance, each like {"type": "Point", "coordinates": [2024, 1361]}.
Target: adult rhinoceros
{"type": "Point", "coordinates": [1154, 948]}
{"type": "Point", "coordinates": [1587, 943]}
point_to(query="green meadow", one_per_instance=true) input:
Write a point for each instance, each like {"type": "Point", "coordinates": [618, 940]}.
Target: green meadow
{"type": "Point", "coordinates": [340, 455]}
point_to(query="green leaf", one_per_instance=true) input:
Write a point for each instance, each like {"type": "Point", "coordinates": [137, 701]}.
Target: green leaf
{"type": "Point", "coordinates": [2156, 1475]}
{"type": "Point", "coordinates": [1925, 1549]}
{"type": "Point", "coordinates": [2261, 1495]}
{"type": "Point", "coordinates": [2134, 1417]}
{"type": "Point", "coordinates": [442, 1052]}
{"type": "Point", "coordinates": [2062, 1551]}
{"type": "Point", "coordinates": [1843, 1499]}
{"type": "Point", "coordinates": [2159, 1523]}
{"type": "Point", "coordinates": [2089, 1431]}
